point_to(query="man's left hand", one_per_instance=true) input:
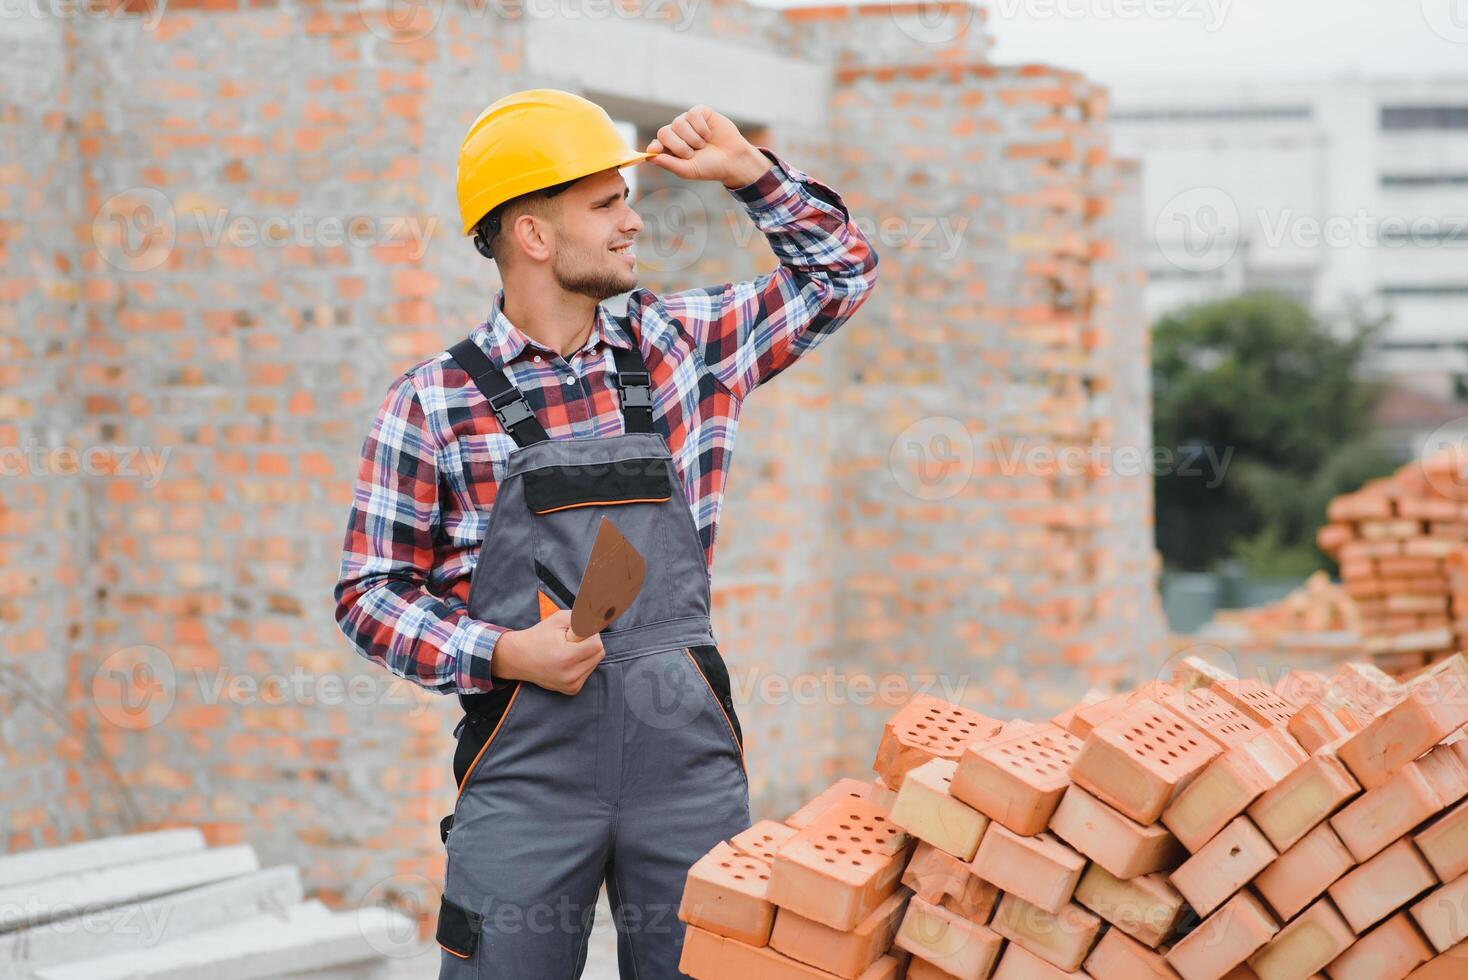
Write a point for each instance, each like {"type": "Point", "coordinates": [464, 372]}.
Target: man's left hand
{"type": "Point", "coordinates": [701, 144]}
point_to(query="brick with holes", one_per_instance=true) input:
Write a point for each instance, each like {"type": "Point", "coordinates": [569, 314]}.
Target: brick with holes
{"type": "Point", "coordinates": [939, 878]}
{"type": "Point", "coordinates": [1111, 839]}
{"type": "Point", "coordinates": [1429, 712]}
{"type": "Point", "coordinates": [1018, 780]}
{"type": "Point", "coordinates": [1139, 760]}
{"type": "Point", "coordinates": [1223, 865]}
{"type": "Point", "coordinates": [1304, 798]}
{"type": "Point", "coordinates": [838, 792]}
{"type": "Point", "coordinates": [1224, 940]}
{"type": "Point", "coordinates": [1146, 907]}
{"type": "Point", "coordinates": [1390, 951]}
{"type": "Point", "coordinates": [1213, 716]}
{"type": "Point", "coordinates": [1041, 869]}
{"type": "Point", "coordinates": [1381, 815]}
{"type": "Point", "coordinates": [947, 940]}
{"type": "Point", "coordinates": [1193, 672]}
{"type": "Point", "coordinates": [1373, 890]}
{"type": "Point", "coordinates": [926, 809]}
{"type": "Point", "coordinates": [1118, 956]}
{"type": "Point", "coordinates": [727, 893]}
{"type": "Point", "coordinates": [1059, 938]}
{"type": "Point", "coordinates": [1316, 725]}
{"type": "Point", "coordinates": [844, 954]}
{"type": "Point", "coordinates": [841, 866]}
{"type": "Point", "coordinates": [762, 839]}
{"type": "Point", "coordinates": [1443, 914]}
{"type": "Point", "coordinates": [927, 728]}
{"type": "Point", "coordinates": [1301, 874]}
{"type": "Point", "coordinates": [1304, 946]}
{"type": "Point", "coordinates": [1256, 700]}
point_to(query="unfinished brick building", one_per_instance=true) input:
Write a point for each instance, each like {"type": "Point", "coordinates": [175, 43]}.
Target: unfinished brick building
{"type": "Point", "coordinates": [1006, 331]}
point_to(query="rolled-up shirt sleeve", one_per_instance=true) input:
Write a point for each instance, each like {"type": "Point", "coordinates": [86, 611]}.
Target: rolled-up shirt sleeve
{"type": "Point", "coordinates": [384, 604]}
{"type": "Point", "coordinates": [748, 332]}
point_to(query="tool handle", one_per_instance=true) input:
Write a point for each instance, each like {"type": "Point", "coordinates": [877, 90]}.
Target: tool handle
{"type": "Point", "coordinates": [572, 637]}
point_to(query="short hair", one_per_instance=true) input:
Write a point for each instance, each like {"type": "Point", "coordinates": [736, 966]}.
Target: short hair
{"type": "Point", "coordinates": [488, 227]}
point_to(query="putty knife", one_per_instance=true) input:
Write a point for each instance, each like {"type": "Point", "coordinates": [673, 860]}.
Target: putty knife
{"type": "Point", "coordinates": [612, 579]}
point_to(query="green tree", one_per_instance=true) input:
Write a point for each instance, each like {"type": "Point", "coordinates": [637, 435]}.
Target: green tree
{"type": "Point", "coordinates": [1267, 404]}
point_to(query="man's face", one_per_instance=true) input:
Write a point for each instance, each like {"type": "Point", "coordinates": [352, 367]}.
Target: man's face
{"type": "Point", "coordinates": [594, 254]}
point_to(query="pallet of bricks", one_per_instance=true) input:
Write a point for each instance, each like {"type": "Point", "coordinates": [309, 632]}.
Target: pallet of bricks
{"type": "Point", "coordinates": [1202, 828]}
{"type": "Point", "coordinates": [1400, 542]}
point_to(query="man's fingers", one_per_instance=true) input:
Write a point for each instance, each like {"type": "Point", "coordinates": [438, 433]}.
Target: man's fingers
{"type": "Point", "coordinates": [673, 143]}
{"type": "Point", "coordinates": [701, 118]}
{"type": "Point", "coordinates": [684, 127]}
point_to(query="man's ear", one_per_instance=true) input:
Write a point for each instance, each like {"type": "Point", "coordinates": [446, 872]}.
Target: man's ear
{"type": "Point", "coordinates": [533, 233]}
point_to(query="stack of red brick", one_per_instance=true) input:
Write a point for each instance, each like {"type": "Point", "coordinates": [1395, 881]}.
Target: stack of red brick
{"type": "Point", "coordinates": [1395, 540]}
{"type": "Point", "coordinates": [1205, 828]}
{"type": "Point", "coordinates": [1317, 624]}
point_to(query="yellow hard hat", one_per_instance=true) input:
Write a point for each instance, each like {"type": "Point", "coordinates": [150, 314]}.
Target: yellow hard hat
{"type": "Point", "coordinates": [534, 139]}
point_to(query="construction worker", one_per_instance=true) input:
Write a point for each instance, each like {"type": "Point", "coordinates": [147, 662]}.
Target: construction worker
{"type": "Point", "coordinates": [617, 757]}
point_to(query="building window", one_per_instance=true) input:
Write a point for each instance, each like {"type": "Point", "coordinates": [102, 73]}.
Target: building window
{"type": "Point", "coordinates": [1215, 114]}
{"type": "Point", "coordinates": [1424, 180]}
{"type": "Point", "coordinates": [1424, 289]}
{"type": "Point", "coordinates": [1410, 117]}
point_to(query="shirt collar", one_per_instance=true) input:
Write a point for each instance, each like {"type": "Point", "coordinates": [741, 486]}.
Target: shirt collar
{"type": "Point", "coordinates": [503, 341]}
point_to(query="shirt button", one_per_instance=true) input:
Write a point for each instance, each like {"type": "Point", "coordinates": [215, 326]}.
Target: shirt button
{"type": "Point", "coordinates": [537, 357]}
{"type": "Point", "coordinates": [571, 380]}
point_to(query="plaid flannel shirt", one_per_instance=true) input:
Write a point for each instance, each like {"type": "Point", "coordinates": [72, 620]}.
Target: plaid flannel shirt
{"type": "Point", "coordinates": [427, 478]}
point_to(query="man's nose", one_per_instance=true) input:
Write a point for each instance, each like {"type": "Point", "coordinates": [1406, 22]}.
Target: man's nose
{"type": "Point", "coordinates": [632, 224]}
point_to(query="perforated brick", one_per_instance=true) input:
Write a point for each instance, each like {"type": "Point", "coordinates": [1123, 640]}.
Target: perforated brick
{"type": "Point", "coordinates": [1304, 946]}
{"type": "Point", "coordinates": [838, 792]}
{"type": "Point", "coordinates": [844, 954]}
{"type": "Point", "coordinates": [948, 941]}
{"type": "Point", "coordinates": [1146, 907]}
{"type": "Point", "coordinates": [1060, 938]}
{"type": "Point", "coordinates": [762, 839]}
{"type": "Point", "coordinates": [1304, 798]}
{"type": "Point", "coordinates": [840, 867]}
{"type": "Point", "coordinates": [1373, 890]}
{"type": "Point", "coordinates": [1257, 700]}
{"type": "Point", "coordinates": [1224, 940]}
{"type": "Point", "coordinates": [1213, 716]}
{"type": "Point", "coordinates": [1301, 874]}
{"type": "Point", "coordinates": [1388, 952]}
{"type": "Point", "coordinates": [1042, 869]}
{"type": "Point", "coordinates": [727, 893]}
{"type": "Point", "coordinates": [1018, 781]}
{"type": "Point", "coordinates": [927, 728]}
{"type": "Point", "coordinates": [1223, 866]}
{"type": "Point", "coordinates": [1118, 956]}
{"type": "Point", "coordinates": [1440, 913]}
{"type": "Point", "coordinates": [1138, 760]}
{"type": "Point", "coordinates": [1111, 839]}
{"type": "Point", "coordinates": [926, 809]}
{"type": "Point", "coordinates": [1444, 842]}
{"type": "Point", "coordinates": [942, 879]}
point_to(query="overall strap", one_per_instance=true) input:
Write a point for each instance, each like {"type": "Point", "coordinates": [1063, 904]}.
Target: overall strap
{"type": "Point", "coordinates": [634, 385]}
{"type": "Point", "coordinates": [509, 404]}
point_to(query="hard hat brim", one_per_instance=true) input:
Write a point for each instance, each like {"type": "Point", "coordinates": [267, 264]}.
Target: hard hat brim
{"type": "Point", "coordinates": [525, 185]}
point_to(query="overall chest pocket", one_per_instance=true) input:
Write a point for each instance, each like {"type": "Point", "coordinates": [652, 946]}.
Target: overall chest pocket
{"type": "Point", "coordinates": [566, 503]}
{"type": "Point", "coordinates": [567, 485]}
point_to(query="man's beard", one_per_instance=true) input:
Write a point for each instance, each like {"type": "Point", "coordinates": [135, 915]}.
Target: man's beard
{"type": "Point", "coordinates": [575, 274]}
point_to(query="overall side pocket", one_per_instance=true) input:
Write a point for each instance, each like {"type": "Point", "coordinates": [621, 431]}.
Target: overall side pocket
{"type": "Point", "coordinates": [710, 666]}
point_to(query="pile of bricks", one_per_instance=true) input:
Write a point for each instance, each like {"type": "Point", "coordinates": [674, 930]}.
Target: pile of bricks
{"type": "Point", "coordinates": [1396, 540]}
{"type": "Point", "coordinates": [1204, 827]}
{"type": "Point", "coordinates": [1317, 625]}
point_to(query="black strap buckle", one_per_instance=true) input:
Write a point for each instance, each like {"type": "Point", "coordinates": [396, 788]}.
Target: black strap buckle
{"type": "Point", "coordinates": [511, 408]}
{"type": "Point", "coordinates": [635, 388]}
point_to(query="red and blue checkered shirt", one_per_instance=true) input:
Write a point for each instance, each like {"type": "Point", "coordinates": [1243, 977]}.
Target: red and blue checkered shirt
{"type": "Point", "coordinates": [427, 478]}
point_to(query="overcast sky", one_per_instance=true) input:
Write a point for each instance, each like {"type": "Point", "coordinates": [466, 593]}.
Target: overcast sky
{"type": "Point", "coordinates": [1117, 40]}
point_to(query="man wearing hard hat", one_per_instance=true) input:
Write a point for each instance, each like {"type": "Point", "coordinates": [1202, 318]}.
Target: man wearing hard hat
{"type": "Point", "coordinates": [618, 757]}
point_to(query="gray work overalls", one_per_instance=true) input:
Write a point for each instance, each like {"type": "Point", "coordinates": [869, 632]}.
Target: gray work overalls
{"type": "Point", "coordinates": [637, 775]}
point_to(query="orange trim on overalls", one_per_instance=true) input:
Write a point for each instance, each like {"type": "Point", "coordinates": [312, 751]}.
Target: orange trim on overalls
{"type": "Point", "coordinates": [462, 956]}
{"type": "Point", "coordinates": [604, 503]}
{"type": "Point", "coordinates": [693, 660]}
{"type": "Point", "coordinates": [547, 606]}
